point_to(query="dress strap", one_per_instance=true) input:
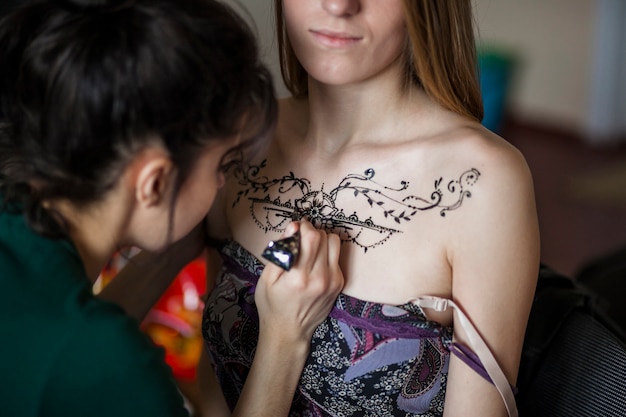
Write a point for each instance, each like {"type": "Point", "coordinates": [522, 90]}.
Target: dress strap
{"type": "Point", "coordinates": [478, 345]}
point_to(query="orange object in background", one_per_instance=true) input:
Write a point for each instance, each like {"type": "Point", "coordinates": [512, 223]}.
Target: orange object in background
{"type": "Point", "coordinates": [175, 321]}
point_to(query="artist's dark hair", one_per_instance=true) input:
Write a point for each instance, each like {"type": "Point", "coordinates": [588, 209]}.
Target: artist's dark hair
{"type": "Point", "coordinates": [85, 84]}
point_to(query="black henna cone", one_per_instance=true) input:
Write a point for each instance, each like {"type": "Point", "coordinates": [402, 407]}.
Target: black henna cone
{"type": "Point", "coordinates": [283, 252]}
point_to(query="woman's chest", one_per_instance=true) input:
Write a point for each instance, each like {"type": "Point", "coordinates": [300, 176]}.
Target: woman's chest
{"type": "Point", "coordinates": [382, 264]}
{"type": "Point", "coordinates": [392, 222]}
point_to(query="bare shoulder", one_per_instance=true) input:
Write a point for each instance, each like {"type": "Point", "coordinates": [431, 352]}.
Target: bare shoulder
{"type": "Point", "coordinates": [490, 153]}
{"type": "Point", "coordinates": [501, 220]}
{"type": "Point", "coordinates": [504, 178]}
{"type": "Point", "coordinates": [495, 172]}
{"type": "Point", "coordinates": [497, 192]}
{"type": "Point", "coordinates": [507, 178]}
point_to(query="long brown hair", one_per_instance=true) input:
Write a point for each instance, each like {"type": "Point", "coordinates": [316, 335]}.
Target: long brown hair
{"type": "Point", "coordinates": [440, 54]}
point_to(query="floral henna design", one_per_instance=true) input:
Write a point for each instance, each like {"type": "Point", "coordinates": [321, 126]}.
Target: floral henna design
{"type": "Point", "coordinates": [276, 202]}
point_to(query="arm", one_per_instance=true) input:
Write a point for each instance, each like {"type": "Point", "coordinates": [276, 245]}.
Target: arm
{"type": "Point", "coordinates": [291, 305]}
{"type": "Point", "coordinates": [213, 402]}
{"type": "Point", "coordinates": [495, 259]}
{"type": "Point", "coordinates": [140, 284]}
{"type": "Point", "coordinates": [273, 378]}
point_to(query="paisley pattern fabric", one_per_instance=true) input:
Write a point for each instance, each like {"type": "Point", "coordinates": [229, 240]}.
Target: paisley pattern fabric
{"type": "Point", "coordinates": [366, 359]}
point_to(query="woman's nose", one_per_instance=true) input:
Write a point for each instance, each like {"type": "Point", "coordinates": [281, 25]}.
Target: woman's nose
{"type": "Point", "coordinates": [342, 8]}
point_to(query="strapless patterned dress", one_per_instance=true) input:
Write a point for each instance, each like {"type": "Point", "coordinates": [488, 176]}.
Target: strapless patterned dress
{"type": "Point", "coordinates": [366, 359]}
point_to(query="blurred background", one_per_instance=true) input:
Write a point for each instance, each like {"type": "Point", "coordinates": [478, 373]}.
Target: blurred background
{"type": "Point", "coordinates": [553, 75]}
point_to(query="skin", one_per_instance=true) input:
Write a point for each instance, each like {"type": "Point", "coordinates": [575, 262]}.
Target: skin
{"type": "Point", "coordinates": [484, 254]}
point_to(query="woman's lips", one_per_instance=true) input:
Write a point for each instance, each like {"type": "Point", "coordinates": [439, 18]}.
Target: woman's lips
{"type": "Point", "coordinates": [335, 39]}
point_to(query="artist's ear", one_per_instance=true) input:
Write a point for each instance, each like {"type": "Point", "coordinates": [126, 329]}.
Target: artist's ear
{"type": "Point", "coordinates": [153, 180]}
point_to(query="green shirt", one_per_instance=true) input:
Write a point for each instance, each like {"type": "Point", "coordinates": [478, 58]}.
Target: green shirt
{"type": "Point", "coordinates": [63, 352]}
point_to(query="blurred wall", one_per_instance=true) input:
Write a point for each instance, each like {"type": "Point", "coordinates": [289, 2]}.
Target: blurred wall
{"type": "Point", "coordinates": [260, 14]}
{"type": "Point", "coordinates": [552, 41]}
{"type": "Point", "coordinates": [571, 64]}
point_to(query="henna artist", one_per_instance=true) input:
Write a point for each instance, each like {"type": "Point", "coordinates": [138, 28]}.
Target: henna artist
{"type": "Point", "coordinates": [119, 119]}
{"type": "Point", "coordinates": [381, 143]}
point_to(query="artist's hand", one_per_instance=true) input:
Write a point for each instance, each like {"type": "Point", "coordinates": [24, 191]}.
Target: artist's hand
{"type": "Point", "coordinates": [293, 303]}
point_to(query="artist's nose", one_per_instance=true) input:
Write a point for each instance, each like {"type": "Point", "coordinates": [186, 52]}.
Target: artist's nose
{"type": "Point", "coordinates": [342, 8]}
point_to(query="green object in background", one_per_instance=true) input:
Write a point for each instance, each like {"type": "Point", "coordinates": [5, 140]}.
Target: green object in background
{"type": "Point", "coordinates": [495, 68]}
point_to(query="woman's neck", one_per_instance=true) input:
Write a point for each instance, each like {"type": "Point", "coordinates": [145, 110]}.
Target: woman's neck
{"type": "Point", "coordinates": [96, 232]}
{"type": "Point", "coordinates": [339, 116]}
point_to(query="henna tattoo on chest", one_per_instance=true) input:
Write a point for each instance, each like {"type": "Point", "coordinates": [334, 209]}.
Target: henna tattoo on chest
{"type": "Point", "coordinates": [274, 202]}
